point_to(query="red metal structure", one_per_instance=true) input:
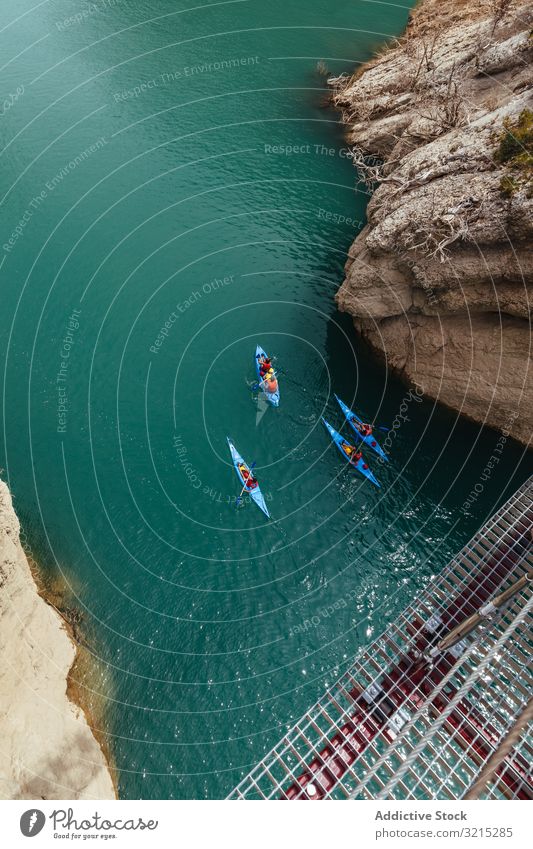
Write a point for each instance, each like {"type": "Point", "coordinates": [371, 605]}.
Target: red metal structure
{"type": "Point", "coordinates": [416, 719]}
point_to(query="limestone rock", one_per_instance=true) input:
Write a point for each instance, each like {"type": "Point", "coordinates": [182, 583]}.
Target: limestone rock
{"type": "Point", "coordinates": [440, 281]}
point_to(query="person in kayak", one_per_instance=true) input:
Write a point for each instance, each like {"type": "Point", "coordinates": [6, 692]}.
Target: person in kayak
{"type": "Point", "coordinates": [265, 365]}
{"type": "Point", "coordinates": [271, 382]}
{"type": "Point", "coordinates": [353, 455]}
{"type": "Point", "coordinates": [248, 478]}
{"type": "Point", "coordinates": [363, 428]}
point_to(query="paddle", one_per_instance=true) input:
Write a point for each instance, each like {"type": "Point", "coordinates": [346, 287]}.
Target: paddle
{"type": "Point", "coordinates": [239, 499]}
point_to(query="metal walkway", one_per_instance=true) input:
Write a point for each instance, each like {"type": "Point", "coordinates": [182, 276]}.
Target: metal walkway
{"type": "Point", "coordinates": [423, 709]}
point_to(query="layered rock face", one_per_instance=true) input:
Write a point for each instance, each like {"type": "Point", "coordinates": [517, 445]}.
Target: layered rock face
{"type": "Point", "coordinates": [47, 749]}
{"type": "Point", "coordinates": [440, 279]}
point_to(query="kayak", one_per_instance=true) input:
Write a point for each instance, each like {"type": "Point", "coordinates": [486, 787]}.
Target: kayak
{"type": "Point", "coordinates": [255, 493]}
{"type": "Point", "coordinates": [351, 418]}
{"type": "Point", "coordinates": [360, 465]}
{"type": "Point", "coordinates": [272, 397]}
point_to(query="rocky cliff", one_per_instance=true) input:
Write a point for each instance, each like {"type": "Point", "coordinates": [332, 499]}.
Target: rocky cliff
{"type": "Point", "coordinates": [440, 279]}
{"type": "Point", "coordinates": [47, 749]}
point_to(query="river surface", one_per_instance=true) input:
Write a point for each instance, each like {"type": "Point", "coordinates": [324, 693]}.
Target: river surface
{"type": "Point", "coordinates": [174, 191]}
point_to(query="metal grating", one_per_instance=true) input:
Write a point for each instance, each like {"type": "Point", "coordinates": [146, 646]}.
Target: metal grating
{"type": "Point", "coordinates": [401, 724]}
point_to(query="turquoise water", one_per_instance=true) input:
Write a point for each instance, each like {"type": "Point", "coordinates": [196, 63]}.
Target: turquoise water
{"type": "Point", "coordinates": [174, 191]}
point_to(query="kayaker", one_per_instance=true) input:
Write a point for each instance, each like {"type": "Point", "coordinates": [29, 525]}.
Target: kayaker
{"type": "Point", "coordinates": [248, 478]}
{"type": "Point", "coordinates": [265, 366]}
{"type": "Point", "coordinates": [272, 383]}
{"type": "Point", "coordinates": [363, 428]}
{"type": "Point", "coordinates": [351, 452]}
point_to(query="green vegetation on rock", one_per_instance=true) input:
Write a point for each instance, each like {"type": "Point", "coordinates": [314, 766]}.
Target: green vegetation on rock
{"type": "Point", "coordinates": [515, 151]}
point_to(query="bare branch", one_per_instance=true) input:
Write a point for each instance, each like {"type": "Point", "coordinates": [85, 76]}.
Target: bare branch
{"type": "Point", "coordinates": [371, 170]}
{"type": "Point", "coordinates": [456, 223]}
{"type": "Point", "coordinates": [499, 10]}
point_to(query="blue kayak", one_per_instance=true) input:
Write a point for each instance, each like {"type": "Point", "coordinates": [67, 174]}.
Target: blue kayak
{"type": "Point", "coordinates": [351, 418]}
{"type": "Point", "coordinates": [254, 492]}
{"type": "Point", "coordinates": [272, 397]}
{"type": "Point", "coordinates": [360, 464]}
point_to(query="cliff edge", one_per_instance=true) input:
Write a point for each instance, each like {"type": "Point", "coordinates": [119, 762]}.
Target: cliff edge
{"type": "Point", "coordinates": [47, 749]}
{"type": "Point", "coordinates": [440, 279]}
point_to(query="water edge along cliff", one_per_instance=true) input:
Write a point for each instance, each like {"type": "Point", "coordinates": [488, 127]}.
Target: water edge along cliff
{"type": "Point", "coordinates": [47, 749]}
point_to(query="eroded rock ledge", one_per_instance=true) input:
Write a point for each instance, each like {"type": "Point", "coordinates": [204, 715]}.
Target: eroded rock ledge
{"type": "Point", "coordinates": [440, 279]}
{"type": "Point", "coordinates": [47, 749]}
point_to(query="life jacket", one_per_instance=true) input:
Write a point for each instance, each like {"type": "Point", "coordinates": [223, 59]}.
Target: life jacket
{"type": "Point", "coordinates": [272, 385]}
